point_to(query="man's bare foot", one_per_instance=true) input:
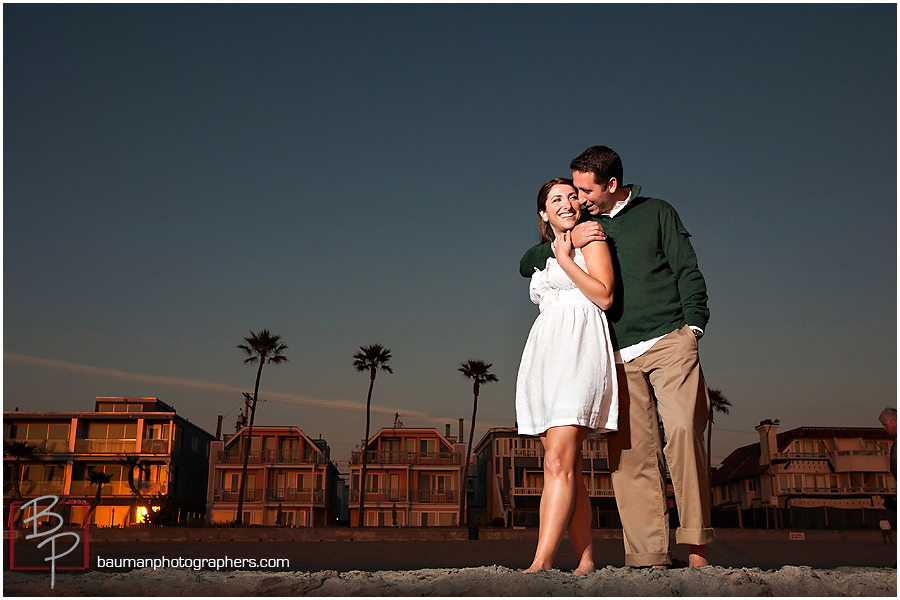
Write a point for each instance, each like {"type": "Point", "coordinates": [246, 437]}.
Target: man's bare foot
{"type": "Point", "coordinates": [662, 567]}
{"type": "Point", "coordinates": [584, 569]}
{"type": "Point", "coordinates": [697, 557]}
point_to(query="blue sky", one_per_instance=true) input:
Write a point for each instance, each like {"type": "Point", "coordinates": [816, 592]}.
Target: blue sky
{"type": "Point", "coordinates": [175, 176]}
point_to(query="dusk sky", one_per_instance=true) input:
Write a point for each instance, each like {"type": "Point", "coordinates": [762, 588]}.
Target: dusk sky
{"type": "Point", "coordinates": [175, 176]}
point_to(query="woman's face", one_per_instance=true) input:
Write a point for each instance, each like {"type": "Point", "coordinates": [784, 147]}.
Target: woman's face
{"type": "Point", "coordinates": [562, 209]}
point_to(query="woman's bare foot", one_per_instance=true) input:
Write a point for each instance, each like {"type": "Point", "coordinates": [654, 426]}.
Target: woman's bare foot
{"type": "Point", "coordinates": [535, 567]}
{"type": "Point", "coordinates": [584, 569]}
{"type": "Point", "coordinates": [697, 557]}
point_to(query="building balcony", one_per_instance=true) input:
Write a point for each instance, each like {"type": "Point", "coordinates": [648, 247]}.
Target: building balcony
{"type": "Point", "coordinates": [381, 495]}
{"type": "Point", "coordinates": [295, 495]}
{"type": "Point", "coordinates": [527, 453]}
{"type": "Point", "coordinates": [860, 461]}
{"type": "Point", "coordinates": [407, 496]}
{"type": "Point", "coordinates": [273, 457]}
{"type": "Point", "coordinates": [405, 458]}
{"type": "Point", "coordinates": [154, 446]}
{"type": "Point", "coordinates": [250, 495]}
{"type": "Point", "coordinates": [436, 496]}
{"type": "Point", "coordinates": [47, 446]}
{"type": "Point", "coordinates": [786, 457]}
{"type": "Point", "coordinates": [113, 488]}
{"type": "Point", "coordinates": [30, 489]}
{"type": "Point", "coordinates": [537, 491]}
{"type": "Point", "coordinates": [105, 446]}
{"type": "Point", "coordinates": [847, 491]}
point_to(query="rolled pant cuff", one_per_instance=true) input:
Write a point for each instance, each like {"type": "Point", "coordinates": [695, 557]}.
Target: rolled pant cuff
{"type": "Point", "coordinates": [647, 559]}
{"type": "Point", "coordinates": [695, 537]}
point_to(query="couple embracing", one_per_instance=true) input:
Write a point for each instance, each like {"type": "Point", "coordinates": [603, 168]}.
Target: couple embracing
{"type": "Point", "coordinates": [623, 305]}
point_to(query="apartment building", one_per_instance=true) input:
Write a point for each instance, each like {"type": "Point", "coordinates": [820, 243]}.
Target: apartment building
{"type": "Point", "coordinates": [291, 480]}
{"type": "Point", "coordinates": [170, 457]}
{"type": "Point", "coordinates": [412, 478]}
{"type": "Point", "coordinates": [510, 472]}
{"type": "Point", "coordinates": [808, 476]}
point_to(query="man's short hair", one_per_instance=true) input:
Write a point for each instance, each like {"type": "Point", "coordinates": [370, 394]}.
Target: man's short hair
{"type": "Point", "coordinates": [888, 415]}
{"type": "Point", "coordinates": [603, 162]}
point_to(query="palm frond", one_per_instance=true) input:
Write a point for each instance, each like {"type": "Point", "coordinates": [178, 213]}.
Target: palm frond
{"type": "Point", "coordinates": [478, 370]}
{"type": "Point", "coordinates": [374, 356]}
{"type": "Point", "coordinates": [20, 450]}
{"type": "Point", "coordinates": [264, 345]}
{"type": "Point", "coordinates": [98, 477]}
{"type": "Point", "coordinates": [718, 401]}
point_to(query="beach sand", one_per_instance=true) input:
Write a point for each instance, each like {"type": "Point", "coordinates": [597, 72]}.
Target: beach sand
{"type": "Point", "coordinates": [473, 581]}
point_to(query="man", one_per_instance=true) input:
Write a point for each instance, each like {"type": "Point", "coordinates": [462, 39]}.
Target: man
{"type": "Point", "coordinates": [657, 317]}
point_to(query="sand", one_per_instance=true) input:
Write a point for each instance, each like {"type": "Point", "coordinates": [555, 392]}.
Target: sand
{"type": "Point", "coordinates": [476, 581]}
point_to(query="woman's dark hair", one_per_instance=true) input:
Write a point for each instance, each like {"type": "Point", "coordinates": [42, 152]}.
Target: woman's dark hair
{"type": "Point", "coordinates": [547, 234]}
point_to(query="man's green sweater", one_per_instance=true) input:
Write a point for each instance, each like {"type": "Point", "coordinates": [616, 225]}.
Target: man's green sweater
{"type": "Point", "coordinates": [658, 285]}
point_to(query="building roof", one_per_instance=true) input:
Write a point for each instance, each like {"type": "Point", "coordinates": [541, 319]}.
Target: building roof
{"type": "Point", "coordinates": [744, 462]}
{"type": "Point", "coordinates": [495, 432]}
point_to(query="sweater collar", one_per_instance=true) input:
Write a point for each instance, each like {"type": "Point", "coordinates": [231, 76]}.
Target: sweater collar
{"type": "Point", "coordinates": [634, 192]}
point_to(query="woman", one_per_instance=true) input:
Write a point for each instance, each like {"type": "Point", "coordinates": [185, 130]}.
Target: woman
{"type": "Point", "coordinates": [566, 385]}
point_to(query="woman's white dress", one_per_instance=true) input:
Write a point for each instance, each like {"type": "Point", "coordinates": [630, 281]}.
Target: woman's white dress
{"type": "Point", "coordinates": [568, 374]}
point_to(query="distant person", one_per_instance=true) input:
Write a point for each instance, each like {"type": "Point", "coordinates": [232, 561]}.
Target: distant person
{"type": "Point", "coordinates": [888, 418]}
{"type": "Point", "coordinates": [566, 384]}
{"type": "Point", "coordinates": [656, 319]}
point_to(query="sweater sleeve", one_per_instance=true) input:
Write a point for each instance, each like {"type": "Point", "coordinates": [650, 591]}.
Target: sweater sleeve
{"type": "Point", "coordinates": [535, 258]}
{"type": "Point", "coordinates": [682, 259]}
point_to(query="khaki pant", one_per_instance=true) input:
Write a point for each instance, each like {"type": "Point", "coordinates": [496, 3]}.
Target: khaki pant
{"type": "Point", "coordinates": [666, 380]}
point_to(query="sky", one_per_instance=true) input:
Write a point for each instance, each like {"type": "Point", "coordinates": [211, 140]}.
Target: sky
{"type": "Point", "coordinates": [177, 176]}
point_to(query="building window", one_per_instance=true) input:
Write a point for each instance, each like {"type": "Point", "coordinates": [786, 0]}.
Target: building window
{"type": "Point", "coordinates": [112, 431]}
{"type": "Point", "coordinates": [158, 431]}
{"type": "Point", "coordinates": [120, 407]}
{"type": "Point", "coordinates": [51, 437]}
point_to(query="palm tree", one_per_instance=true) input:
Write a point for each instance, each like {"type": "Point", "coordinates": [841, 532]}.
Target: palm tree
{"type": "Point", "coordinates": [479, 372]}
{"type": "Point", "coordinates": [369, 358]}
{"type": "Point", "coordinates": [98, 478]}
{"type": "Point", "coordinates": [261, 347]}
{"type": "Point", "coordinates": [133, 463]}
{"type": "Point", "coordinates": [717, 403]}
{"type": "Point", "coordinates": [20, 451]}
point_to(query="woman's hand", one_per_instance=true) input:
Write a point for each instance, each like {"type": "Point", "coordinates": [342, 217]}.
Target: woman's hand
{"type": "Point", "coordinates": [562, 245]}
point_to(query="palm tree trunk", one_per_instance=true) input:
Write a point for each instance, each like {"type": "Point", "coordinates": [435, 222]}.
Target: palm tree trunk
{"type": "Point", "coordinates": [365, 453]}
{"type": "Point", "coordinates": [463, 487]}
{"type": "Point", "coordinates": [17, 491]}
{"type": "Point", "coordinates": [239, 518]}
{"type": "Point", "coordinates": [87, 518]}
{"type": "Point", "coordinates": [137, 492]}
{"type": "Point", "coordinates": [16, 476]}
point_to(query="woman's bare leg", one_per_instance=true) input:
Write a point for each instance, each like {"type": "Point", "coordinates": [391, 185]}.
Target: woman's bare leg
{"type": "Point", "coordinates": [580, 526]}
{"type": "Point", "coordinates": [562, 448]}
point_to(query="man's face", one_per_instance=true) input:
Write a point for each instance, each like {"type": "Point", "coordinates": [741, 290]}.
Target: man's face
{"type": "Point", "coordinates": [596, 198]}
{"type": "Point", "coordinates": [890, 427]}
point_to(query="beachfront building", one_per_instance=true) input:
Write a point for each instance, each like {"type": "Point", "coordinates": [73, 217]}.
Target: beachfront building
{"type": "Point", "coordinates": [55, 453]}
{"type": "Point", "coordinates": [291, 481]}
{"type": "Point", "coordinates": [811, 477]}
{"type": "Point", "coordinates": [510, 472]}
{"type": "Point", "coordinates": [412, 478]}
